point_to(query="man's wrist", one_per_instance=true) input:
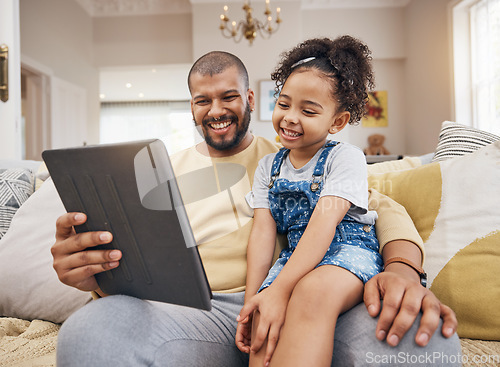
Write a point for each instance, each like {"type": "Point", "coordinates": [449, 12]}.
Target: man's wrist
{"type": "Point", "coordinates": [406, 268]}
{"type": "Point", "coordinates": [403, 270]}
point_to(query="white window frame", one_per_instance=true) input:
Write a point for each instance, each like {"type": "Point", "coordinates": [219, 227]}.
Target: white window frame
{"type": "Point", "coordinates": [464, 63]}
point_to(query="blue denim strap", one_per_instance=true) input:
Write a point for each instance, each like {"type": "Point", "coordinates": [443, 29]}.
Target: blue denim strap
{"type": "Point", "coordinates": [320, 164]}
{"type": "Point", "coordinates": [276, 167]}
{"type": "Point", "coordinates": [319, 169]}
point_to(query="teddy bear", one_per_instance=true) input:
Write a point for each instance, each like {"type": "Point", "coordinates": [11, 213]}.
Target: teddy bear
{"type": "Point", "coordinates": [376, 145]}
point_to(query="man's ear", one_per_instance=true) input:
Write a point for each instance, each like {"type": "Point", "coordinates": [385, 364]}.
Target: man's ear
{"type": "Point", "coordinates": [192, 107]}
{"type": "Point", "coordinates": [339, 122]}
{"type": "Point", "coordinates": [251, 99]}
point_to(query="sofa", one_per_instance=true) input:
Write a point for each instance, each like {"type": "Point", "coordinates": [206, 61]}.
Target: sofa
{"type": "Point", "coordinates": [452, 195]}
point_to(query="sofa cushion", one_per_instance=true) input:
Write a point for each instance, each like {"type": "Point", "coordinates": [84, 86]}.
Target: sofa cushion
{"type": "Point", "coordinates": [455, 205]}
{"type": "Point", "coordinates": [30, 288]}
{"type": "Point", "coordinates": [456, 140]}
{"type": "Point", "coordinates": [16, 186]}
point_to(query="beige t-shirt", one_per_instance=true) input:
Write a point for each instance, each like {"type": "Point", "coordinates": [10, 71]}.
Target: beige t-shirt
{"type": "Point", "coordinates": [213, 191]}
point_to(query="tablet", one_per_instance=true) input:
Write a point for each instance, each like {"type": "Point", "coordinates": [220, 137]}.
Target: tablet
{"type": "Point", "coordinates": [130, 190]}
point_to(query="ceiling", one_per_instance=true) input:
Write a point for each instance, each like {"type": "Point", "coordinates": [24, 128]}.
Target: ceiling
{"type": "Point", "coordinates": [107, 8]}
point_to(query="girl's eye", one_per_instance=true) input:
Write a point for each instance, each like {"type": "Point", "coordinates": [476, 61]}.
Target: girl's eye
{"type": "Point", "coordinates": [309, 112]}
{"type": "Point", "coordinates": [282, 105]}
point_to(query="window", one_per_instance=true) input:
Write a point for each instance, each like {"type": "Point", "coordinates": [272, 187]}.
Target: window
{"type": "Point", "coordinates": [171, 122]}
{"type": "Point", "coordinates": [485, 62]}
{"type": "Point", "coordinates": [476, 48]}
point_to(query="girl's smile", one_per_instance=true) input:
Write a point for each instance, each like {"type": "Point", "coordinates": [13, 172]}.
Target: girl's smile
{"type": "Point", "coordinates": [290, 134]}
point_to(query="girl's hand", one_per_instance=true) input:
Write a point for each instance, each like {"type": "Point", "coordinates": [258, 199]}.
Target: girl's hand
{"type": "Point", "coordinates": [244, 334]}
{"type": "Point", "coordinates": [271, 305]}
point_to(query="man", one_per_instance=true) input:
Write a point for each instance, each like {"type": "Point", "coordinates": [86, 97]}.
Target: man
{"type": "Point", "coordinates": [121, 330]}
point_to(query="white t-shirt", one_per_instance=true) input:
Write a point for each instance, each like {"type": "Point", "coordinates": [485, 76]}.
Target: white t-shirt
{"type": "Point", "coordinates": [345, 176]}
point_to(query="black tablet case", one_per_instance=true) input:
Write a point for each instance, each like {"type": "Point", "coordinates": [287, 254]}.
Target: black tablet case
{"type": "Point", "coordinates": [130, 190]}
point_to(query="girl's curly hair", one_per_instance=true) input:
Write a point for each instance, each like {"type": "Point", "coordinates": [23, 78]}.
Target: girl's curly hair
{"type": "Point", "coordinates": [346, 61]}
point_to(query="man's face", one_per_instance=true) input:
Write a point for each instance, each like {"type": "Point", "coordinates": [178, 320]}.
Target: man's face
{"type": "Point", "coordinates": [221, 105]}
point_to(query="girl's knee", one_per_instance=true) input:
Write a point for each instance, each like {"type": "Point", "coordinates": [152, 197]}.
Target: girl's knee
{"type": "Point", "coordinates": [309, 295]}
{"type": "Point", "coordinates": [327, 289]}
{"type": "Point", "coordinates": [315, 285]}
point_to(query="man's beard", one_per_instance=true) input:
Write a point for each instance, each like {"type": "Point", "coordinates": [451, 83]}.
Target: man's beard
{"type": "Point", "coordinates": [241, 130]}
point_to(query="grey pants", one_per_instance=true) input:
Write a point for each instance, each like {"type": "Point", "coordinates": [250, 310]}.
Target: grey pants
{"type": "Point", "coordinates": [125, 331]}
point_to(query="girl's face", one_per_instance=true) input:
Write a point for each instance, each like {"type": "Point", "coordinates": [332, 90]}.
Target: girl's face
{"type": "Point", "coordinates": [306, 113]}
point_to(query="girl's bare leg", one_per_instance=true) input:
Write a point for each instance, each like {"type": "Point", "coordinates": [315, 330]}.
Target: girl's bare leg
{"type": "Point", "coordinates": [257, 359]}
{"type": "Point", "coordinates": [306, 338]}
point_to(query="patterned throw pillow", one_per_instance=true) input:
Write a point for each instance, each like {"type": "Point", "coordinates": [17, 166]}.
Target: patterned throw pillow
{"type": "Point", "coordinates": [456, 140]}
{"type": "Point", "coordinates": [455, 205]}
{"type": "Point", "coordinates": [16, 186]}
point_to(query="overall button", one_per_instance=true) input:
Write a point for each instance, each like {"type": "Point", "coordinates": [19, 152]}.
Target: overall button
{"type": "Point", "coordinates": [367, 228]}
{"type": "Point", "coordinates": [314, 186]}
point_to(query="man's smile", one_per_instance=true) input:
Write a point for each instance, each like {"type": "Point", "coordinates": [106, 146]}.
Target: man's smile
{"type": "Point", "coordinates": [220, 125]}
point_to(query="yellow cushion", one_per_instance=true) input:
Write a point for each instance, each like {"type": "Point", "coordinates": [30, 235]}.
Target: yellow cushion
{"type": "Point", "coordinates": [394, 165]}
{"type": "Point", "coordinates": [455, 205]}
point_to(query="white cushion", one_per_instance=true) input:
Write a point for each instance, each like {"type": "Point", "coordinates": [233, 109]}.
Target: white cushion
{"type": "Point", "coordinates": [30, 288]}
{"type": "Point", "coordinates": [455, 205]}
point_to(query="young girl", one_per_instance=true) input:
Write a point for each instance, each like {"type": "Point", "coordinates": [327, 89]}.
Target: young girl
{"type": "Point", "coordinates": [315, 191]}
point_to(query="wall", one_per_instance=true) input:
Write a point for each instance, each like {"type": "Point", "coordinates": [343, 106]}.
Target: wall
{"type": "Point", "coordinates": [58, 35]}
{"type": "Point", "coordinates": [142, 40]}
{"type": "Point", "coordinates": [428, 73]}
{"type": "Point", "coordinates": [380, 28]}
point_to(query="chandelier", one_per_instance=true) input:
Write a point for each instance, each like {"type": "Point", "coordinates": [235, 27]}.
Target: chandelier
{"type": "Point", "coordinates": [249, 27]}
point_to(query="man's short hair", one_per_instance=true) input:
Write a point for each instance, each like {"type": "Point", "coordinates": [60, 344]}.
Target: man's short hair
{"type": "Point", "coordinates": [216, 62]}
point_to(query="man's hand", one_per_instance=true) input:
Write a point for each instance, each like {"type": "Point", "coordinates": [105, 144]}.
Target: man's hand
{"type": "Point", "coordinates": [403, 299]}
{"type": "Point", "coordinates": [74, 265]}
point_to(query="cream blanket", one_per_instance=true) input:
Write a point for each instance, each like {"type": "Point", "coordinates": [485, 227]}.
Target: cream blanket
{"type": "Point", "coordinates": [27, 343]}
{"type": "Point", "coordinates": [33, 344]}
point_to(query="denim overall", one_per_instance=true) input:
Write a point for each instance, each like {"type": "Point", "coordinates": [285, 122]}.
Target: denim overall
{"type": "Point", "coordinates": [354, 247]}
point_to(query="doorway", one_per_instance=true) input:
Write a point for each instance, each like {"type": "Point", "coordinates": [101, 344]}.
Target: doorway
{"type": "Point", "coordinates": [35, 113]}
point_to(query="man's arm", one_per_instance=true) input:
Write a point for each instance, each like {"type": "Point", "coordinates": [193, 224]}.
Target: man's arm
{"type": "Point", "coordinates": [399, 285]}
